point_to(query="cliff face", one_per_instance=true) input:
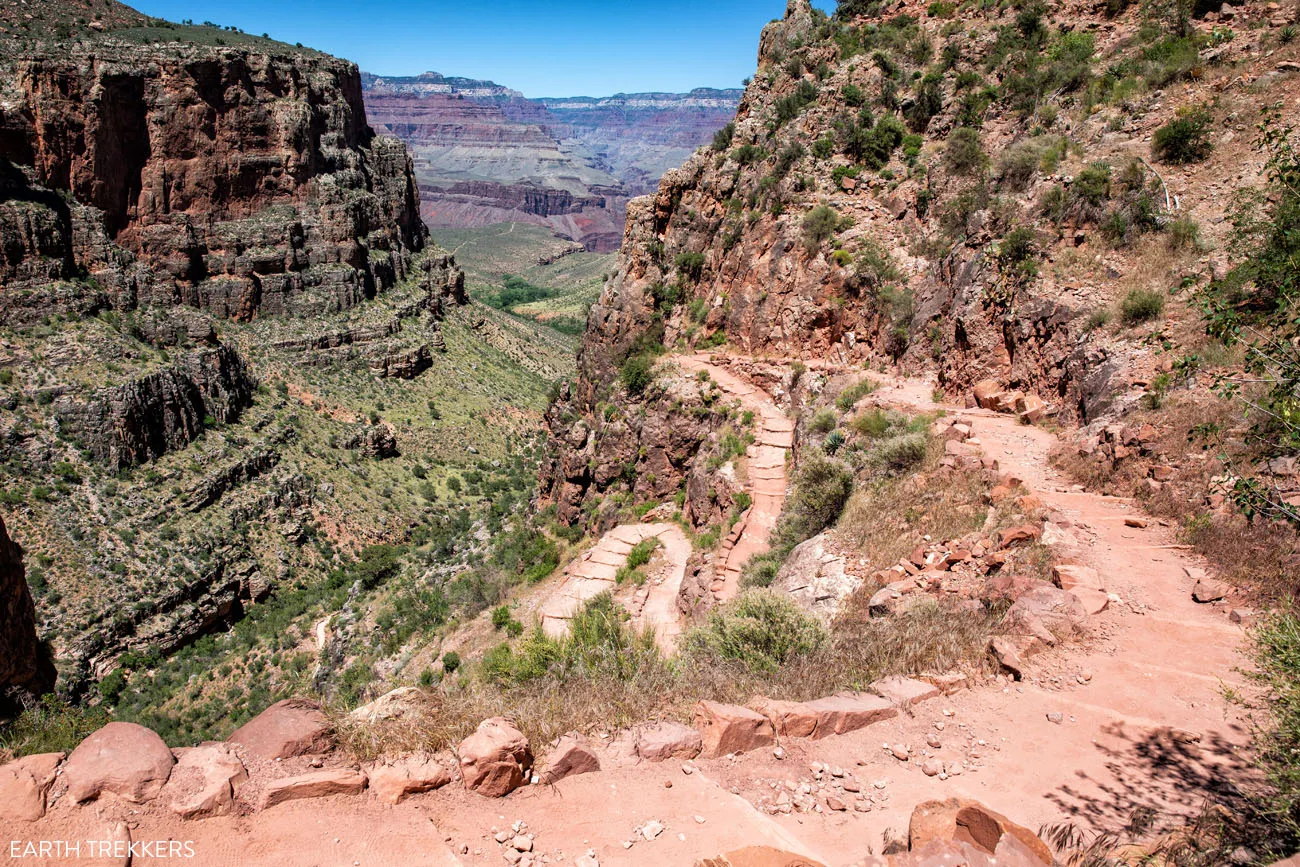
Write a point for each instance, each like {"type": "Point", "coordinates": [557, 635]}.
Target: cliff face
{"type": "Point", "coordinates": [237, 181]}
{"type": "Point", "coordinates": [899, 190]}
{"type": "Point", "coordinates": [23, 664]}
{"type": "Point", "coordinates": [485, 154]}
{"type": "Point", "coordinates": [190, 219]}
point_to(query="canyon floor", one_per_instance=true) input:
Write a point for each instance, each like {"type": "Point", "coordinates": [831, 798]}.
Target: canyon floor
{"type": "Point", "coordinates": [1132, 716]}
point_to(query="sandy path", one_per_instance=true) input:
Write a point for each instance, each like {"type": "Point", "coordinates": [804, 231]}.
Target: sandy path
{"type": "Point", "coordinates": [596, 572]}
{"type": "Point", "coordinates": [766, 466]}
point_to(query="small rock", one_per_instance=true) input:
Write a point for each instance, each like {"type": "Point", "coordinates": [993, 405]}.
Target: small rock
{"type": "Point", "coordinates": [651, 829]}
{"type": "Point", "coordinates": [899, 751]}
{"type": "Point", "coordinates": [1209, 590]}
{"type": "Point", "coordinates": [1056, 717]}
{"type": "Point", "coordinates": [932, 767]}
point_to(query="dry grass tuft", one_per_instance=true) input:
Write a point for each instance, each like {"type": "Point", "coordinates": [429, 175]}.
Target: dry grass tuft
{"type": "Point", "coordinates": [932, 638]}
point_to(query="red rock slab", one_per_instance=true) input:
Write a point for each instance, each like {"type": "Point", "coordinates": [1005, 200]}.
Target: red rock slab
{"type": "Point", "coordinates": [572, 755]}
{"type": "Point", "coordinates": [904, 691]}
{"type": "Point", "coordinates": [204, 780]}
{"type": "Point", "coordinates": [392, 782]}
{"type": "Point", "coordinates": [496, 759]}
{"type": "Point", "coordinates": [293, 727]}
{"type": "Point", "coordinates": [24, 783]}
{"type": "Point", "coordinates": [660, 741]}
{"type": "Point", "coordinates": [318, 784]}
{"type": "Point", "coordinates": [729, 728]}
{"type": "Point", "coordinates": [758, 856]}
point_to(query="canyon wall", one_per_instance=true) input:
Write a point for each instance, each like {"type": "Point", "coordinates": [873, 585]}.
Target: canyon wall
{"type": "Point", "coordinates": [485, 154]}
{"type": "Point", "coordinates": [241, 182]}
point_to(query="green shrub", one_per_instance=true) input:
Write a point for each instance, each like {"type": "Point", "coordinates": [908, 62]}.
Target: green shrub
{"type": "Point", "coordinates": [600, 644]}
{"type": "Point", "coordinates": [450, 661]}
{"type": "Point", "coordinates": [873, 423]}
{"type": "Point", "coordinates": [1277, 657]}
{"type": "Point", "coordinates": [824, 421]}
{"type": "Point", "coordinates": [637, 372]}
{"type": "Point", "coordinates": [1184, 233]}
{"type": "Point", "coordinates": [760, 630]}
{"type": "Point", "coordinates": [853, 96]}
{"type": "Point", "coordinates": [1018, 254]}
{"type": "Point", "coordinates": [821, 488]}
{"type": "Point", "coordinates": [834, 440]}
{"type": "Point", "coordinates": [1098, 318]}
{"type": "Point", "coordinates": [789, 107]}
{"type": "Point", "coordinates": [748, 154]}
{"type": "Point", "coordinates": [818, 226]}
{"type": "Point", "coordinates": [1141, 305]}
{"type": "Point", "coordinates": [761, 569]}
{"type": "Point", "coordinates": [50, 726]}
{"type": "Point", "coordinates": [902, 453]}
{"type": "Point", "coordinates": [690, 265]}
{"type": "Point", "coordinates": [850, 396]}
{"type": "Point", "coordinates": [501, 616]}
{"type": "Point", "coordinates": [1186, 138]}
{"type": "Point", "coordinates": [722, 138]}
{"type": "Point", "coordinates": [964, 155]}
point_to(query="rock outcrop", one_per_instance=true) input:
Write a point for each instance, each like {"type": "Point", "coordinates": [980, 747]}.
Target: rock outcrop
{"type": "Point", "coordinates": [293, 727]}
{"type": "Point", "coordinates": [164, 411]}
{"type": "Point", "coordinates": [122, 759]}
{"type": "Point", "coordinates": [25, 667]}
{"type": "Point", "coordinates": [242, 181]}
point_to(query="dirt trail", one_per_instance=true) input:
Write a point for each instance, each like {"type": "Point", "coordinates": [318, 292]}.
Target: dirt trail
{"type": "Point", "coordinates": [595, 571]}
{"type": "Point", "coordinates": [1132, 718]}
{"type": "Point", "coordinates": [766, 466]}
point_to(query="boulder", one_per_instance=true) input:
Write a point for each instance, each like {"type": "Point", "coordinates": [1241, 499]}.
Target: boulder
{"type": "Point", "coordinates": [203, 781]}
{"type": "Point", "coordinates": [496, 759]}
{"type": "Point", "coordinates": [391, 782]}
{"type": "Point", "coordinates": [1093, 601]}
{"type": "Point", "coordinates": [572, 756]}
{"type": "Point", "coordinates": [24, 783]}
{"type": "Point", "coordinates": [729, 728]}
{"type": "Point", "coordinates": [1046, 606]}
{"type": "Point", "coordinates": [1020, 534]}
{"type": "Point", "coordinates": [399, 703]}
{"type": "Point", "coordinates": [1069, 576]}
{"type": "Point", "coordinates": [987, 392]}
{"type": "Point", "coordinates": [960, 820]}
{"type": "Point", "coordinates": [317, 784]}
{"type": "Point", "coordinates": [1208, 590]}
{"type": "Point", "coordinates": [660, 741]}
{"type": "Point", "coordinates": [815, 578]}
{"type": "Point", "coordinates": [904, 691]}
{"type": "Point", "coordinates": [122, 759]}
{"type": "Point", "coordinates": [293, 727]}
{"type": "Point", "coordinates": [848, 712]}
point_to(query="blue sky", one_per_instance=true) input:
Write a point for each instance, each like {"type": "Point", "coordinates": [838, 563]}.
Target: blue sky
{"type": "Point", "coordinates": [575, 48]}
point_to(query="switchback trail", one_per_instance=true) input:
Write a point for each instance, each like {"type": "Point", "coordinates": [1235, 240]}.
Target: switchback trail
{"type": "Point", "coordinates": [766, 480]}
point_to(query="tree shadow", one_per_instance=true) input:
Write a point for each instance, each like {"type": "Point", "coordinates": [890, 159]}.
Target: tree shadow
{"type": "Point", "coordinates": [1165, 775]}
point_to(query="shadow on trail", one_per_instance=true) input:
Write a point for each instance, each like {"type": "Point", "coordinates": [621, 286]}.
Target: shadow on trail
{"type": "Point", "coordinates": [1146, 770]}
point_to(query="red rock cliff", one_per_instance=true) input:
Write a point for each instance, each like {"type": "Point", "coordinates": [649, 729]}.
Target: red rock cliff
{"type": "Point", "coordinates": [244, 181]}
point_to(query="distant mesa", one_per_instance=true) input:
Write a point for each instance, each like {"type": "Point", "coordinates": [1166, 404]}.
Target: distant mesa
{"type": "Point", "coordinates": [486, 154]}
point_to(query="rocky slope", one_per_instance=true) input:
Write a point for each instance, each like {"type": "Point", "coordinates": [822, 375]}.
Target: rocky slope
{"type": "Point", "coordinates": [484, 154]}
{"type": "Point", "coordinates": [972, 196]}
{"type": "Point", "coordinates": [231, 359]}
